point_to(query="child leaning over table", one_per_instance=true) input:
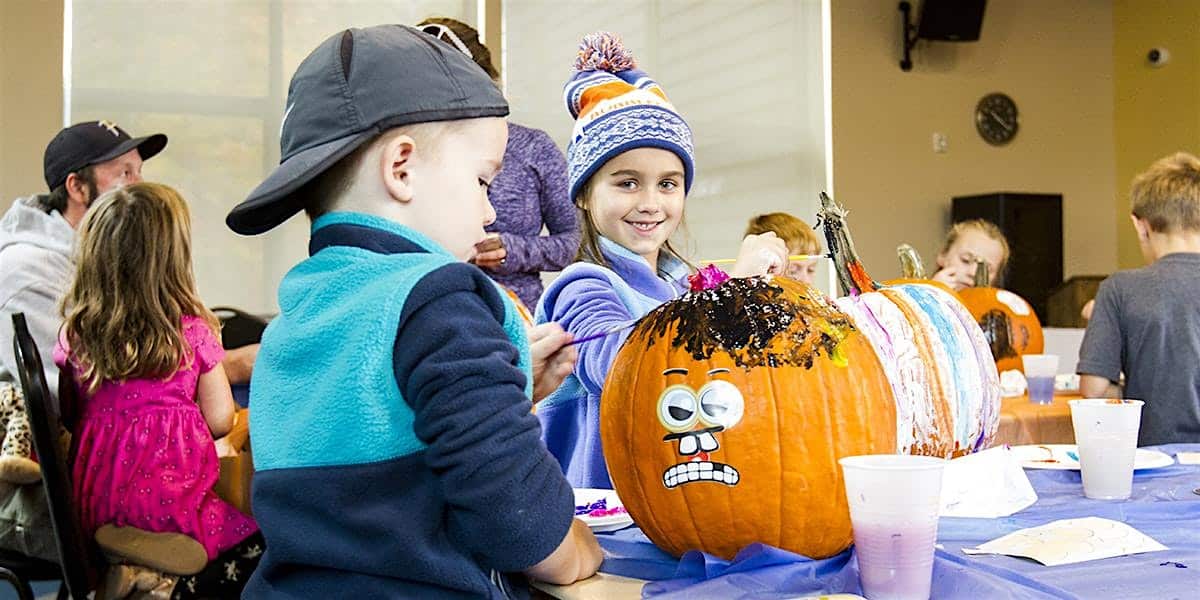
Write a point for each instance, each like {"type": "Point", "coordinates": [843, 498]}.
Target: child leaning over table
{"type": "Point", "coordinates": [1146, 321]}
{"type": "Point", "coordinates": [799, 237]}
{"type": "Point", "coordinates": [395, 449]}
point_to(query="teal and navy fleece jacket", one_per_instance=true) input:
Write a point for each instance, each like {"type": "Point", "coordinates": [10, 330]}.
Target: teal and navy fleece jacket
{"type": "Point", "coordinates": [396, 455]}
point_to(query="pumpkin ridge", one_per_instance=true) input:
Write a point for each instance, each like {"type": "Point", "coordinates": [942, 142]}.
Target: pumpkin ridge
{"type": "Point", "coordinates": [943, 424]}
{"type": "Point", "coordinates": [779, 443]}
{"type": "Point", "coordinates": [956, 350]}
{"type": "Point", "coordinates": [631, 450]}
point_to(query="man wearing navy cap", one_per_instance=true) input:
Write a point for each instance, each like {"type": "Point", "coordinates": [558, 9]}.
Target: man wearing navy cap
{"type": "Point", "coordinates": [36, 267]}
{"type": "Point", "coordinates": [38, 232]}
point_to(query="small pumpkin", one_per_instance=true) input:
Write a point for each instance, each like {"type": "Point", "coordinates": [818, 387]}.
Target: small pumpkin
{"type": "Point", "coordinates": [725, 412]}
{"type": "Point", "coordinates": [936, 356]}
{"type": "Point", "coordinates": [912, 270]}
{"type": "Point", "coordinates": [1011, 326]}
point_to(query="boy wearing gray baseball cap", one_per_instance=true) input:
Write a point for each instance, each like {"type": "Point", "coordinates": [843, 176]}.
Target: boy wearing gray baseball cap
{"type": "Point", "coordinates": [396, 455]}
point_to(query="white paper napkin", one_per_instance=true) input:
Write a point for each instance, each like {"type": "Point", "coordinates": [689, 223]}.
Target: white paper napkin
{"type": "Point", "coordinates": [1071, 541]}
{"type": "Point", "coordinates": [1012, 383]}
{"type": "Point", "coordinates": [985, 485]}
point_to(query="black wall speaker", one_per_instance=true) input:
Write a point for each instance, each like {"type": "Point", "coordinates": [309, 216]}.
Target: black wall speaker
{"type": "Point", "coordinates": [951, 20]}
{"type": "Point", "coordinates": [1033, 225]}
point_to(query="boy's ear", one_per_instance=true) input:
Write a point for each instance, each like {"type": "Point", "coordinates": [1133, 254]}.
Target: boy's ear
{"type": "Point", "coordinates": [396, 164]}
{"type": "Point", "coordinates": [1141, 227]}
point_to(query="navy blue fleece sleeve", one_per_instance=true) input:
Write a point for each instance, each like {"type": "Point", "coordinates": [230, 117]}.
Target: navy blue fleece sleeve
{"type": "Point", "coordinates": [507, 499]}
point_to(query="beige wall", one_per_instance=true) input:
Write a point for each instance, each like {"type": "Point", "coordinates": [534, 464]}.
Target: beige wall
{"type": "Point", "coordinates": [31, 39]}
{"type": "Point", "coordinates": [1053, 58]}
{"type": "Point", "coordinates": [1157, 109]}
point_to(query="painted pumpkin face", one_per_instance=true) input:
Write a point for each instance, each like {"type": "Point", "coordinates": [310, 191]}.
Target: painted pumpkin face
{"type": "Point", "coordinates": [1008, 321]}
{"type": "Point", "coordinates": [724, 415]}
{"type": "Point", "coordinates": [693, 419]}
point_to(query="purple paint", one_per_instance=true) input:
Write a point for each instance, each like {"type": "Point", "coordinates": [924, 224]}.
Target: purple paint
{"type": "Point", "coordinates": [1041, 390]}
{"type": "Point", "coordinates": [895, 562]}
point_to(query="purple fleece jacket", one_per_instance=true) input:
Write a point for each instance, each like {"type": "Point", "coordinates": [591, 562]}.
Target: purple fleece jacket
{"type": "Point", "coordinates": [588, 299]}
{"type": "Point", "coordinates": [529, 192]}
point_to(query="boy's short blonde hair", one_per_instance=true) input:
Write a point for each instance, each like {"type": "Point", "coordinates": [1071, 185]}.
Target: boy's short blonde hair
{"type": "Point", "coordinates": [793, 231]}
{"type": "Point", "coordinates": [1167, 195]}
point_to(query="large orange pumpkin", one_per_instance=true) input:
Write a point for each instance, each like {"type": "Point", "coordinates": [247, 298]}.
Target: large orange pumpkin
{"type": "Point", "coordinates": [725, 412]}
{"type": "Point", "coordinates": [938, 361]}
{"type": "Point", "coordinates": [1008, 321]}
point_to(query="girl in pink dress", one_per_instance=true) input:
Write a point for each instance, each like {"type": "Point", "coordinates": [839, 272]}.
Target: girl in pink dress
{"type": "Point", "coordinates": [145, 356]}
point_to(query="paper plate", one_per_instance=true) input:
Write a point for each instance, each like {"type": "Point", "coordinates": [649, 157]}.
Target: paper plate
{"type": "Point", "coordinates": [601, 509]}
{"type": "Point", "coordinates": [1061, 457]}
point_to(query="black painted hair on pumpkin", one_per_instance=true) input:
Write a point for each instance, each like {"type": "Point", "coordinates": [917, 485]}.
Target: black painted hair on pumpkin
{"type": "Point", "coordinates": [744, 318]}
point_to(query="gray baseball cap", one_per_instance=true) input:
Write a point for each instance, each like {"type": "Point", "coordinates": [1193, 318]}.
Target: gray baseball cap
{"type": "Point", "coordinates": [354, 86]}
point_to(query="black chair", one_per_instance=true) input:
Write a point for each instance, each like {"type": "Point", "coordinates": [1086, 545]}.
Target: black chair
{"type": "Point", "coordinates": [239, 328]}
{"type": "Point", "coordinates": [79, 558]}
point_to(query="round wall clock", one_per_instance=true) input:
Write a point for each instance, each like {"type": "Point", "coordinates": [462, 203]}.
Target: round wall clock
{"type": "Point", "coordinates": [996, 119]}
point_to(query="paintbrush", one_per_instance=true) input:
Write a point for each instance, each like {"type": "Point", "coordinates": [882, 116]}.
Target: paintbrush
{"type": "Point", "coordinates": [602, 334]}
{"type": "Point", "coordinates": [730, 261]}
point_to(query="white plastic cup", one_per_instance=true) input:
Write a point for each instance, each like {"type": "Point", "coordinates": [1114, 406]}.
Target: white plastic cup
{"type": "Point", "coordinates": [894, 504]}
{"type": "Point", "coordinates": [1040, 370]}
{"type": "Point", "coordinates": [1106, 432]}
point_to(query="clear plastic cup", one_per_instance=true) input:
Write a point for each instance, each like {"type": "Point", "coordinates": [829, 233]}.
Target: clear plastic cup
{"type": "Point", "coordinates": [894, 503]}
{"type": "Point", "coordinates": [1040, 370]}
{"type": "Point", "coordinates": [1106, 432]}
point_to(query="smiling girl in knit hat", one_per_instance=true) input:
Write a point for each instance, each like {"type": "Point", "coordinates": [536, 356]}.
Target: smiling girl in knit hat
{"type": "Point", "coordinates": [630, 166]}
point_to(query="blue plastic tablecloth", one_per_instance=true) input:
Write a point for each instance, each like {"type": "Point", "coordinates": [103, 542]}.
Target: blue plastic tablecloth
{"type": "Point", "coordinates": [1163, 506]}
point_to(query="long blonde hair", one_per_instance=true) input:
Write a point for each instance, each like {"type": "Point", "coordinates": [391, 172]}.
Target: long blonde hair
{"type": "Point", "coordinates": [133, 284]}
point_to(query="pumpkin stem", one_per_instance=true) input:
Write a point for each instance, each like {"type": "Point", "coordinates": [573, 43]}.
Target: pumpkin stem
{"type": "Point", "coordinates": [851, 273]}
{"type": "Point", "coordinates": [911, 266]}
{"type": "Point", "coordinates": [982, 277]}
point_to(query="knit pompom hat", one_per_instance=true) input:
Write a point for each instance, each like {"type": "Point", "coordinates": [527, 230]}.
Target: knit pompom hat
{"type": "Point", "coordinates": [618, 107]}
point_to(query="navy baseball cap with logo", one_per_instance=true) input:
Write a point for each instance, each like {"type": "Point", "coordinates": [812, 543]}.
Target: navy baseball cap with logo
{"type": "Point", "coordinates": [353, 87]}
{"type": "Point", "coordinates": [91, 143]}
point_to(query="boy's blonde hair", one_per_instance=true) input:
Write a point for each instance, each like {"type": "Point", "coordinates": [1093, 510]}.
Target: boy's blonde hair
{"type": "Point", "coordinates": [793, 231]}
{"type": "Point", "coordinates": [133, 284]}
{"type": "Point", "coordinates": [1167, 195]}
{"type": "Point", "coordinates": [985, 227]}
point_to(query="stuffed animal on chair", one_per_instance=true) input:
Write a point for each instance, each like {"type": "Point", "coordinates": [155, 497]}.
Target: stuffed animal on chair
{"type": "Point", "coordinates": [18, 463]}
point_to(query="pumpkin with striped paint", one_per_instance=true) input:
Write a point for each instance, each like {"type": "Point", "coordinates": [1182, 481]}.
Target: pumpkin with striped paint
{"type": "Point", "coordinates": [725, 412]}
{"type": "Point", "coordinates": [936, 356]}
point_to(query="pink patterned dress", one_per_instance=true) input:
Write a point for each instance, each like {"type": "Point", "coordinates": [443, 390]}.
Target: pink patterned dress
{"type": "Point", "coordinates": [146, 457]}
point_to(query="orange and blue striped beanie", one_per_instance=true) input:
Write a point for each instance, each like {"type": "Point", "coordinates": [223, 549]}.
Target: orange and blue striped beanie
{"type": "Point", "coordinates": [618, 107]}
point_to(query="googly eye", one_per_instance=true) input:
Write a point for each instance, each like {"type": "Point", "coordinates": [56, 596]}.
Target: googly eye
{"type": "Point", "coordinates": [677, 408]}
{"type": "Point", "coordinates": [721, 403]}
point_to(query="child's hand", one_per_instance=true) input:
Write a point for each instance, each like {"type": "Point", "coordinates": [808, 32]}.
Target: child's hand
{"type": "Point", "coordinates": [763, 254]}
{"type": "Point", "coordinates": [552, 362]}
{"type": "Point", "coordinates": [955, 277]}
{"type": "Point", "coordinates": [490, 252]}
{"type": "Point", "coordinates": [577, 557]}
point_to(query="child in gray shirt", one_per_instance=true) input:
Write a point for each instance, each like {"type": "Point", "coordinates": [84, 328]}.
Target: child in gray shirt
{"type": "Point", "coordinates": [1146, 322]}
